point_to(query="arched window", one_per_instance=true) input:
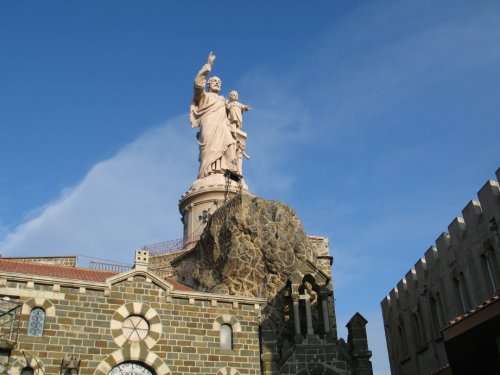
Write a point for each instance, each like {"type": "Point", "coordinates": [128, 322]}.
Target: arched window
{"type": "Point", "coordinates": [418, 333]}
{"type": "Point", "coordinates": [226, 337]}
{"type": "Point", "coordinates": [402, 341]}
{"type": "Point", "coordinates": [27, 371]}
{"type": "Point", "coordinates": [131, 368]}
{"type": "Point", "coordinates": [36, 322]}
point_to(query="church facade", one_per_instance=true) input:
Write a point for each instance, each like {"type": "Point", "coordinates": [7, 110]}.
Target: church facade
{"type": "Point", "coordinates": [65, 319]}
{"type": "Point", "coordinates": [247, 292]}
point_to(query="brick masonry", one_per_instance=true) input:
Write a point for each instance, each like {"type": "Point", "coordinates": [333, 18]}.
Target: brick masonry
{"type": "Point", "coordinates": [188, 342]}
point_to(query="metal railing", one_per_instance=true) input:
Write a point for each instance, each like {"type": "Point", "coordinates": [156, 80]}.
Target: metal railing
{"type": "Point", "coordinates": [171, 246]}
{"type": "Point", "coordinates": [10, 316]}
{"type": "Point", "coordinates": [112, 267]}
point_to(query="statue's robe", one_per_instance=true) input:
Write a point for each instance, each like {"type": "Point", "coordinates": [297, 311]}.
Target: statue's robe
{"type": "Point", "coordinates": [235, 114]}
{"type": "Point", "coordinates": [217, 145]}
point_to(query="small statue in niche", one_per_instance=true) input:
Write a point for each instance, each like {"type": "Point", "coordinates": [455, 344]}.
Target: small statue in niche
{"type": "Point", "coordinates": [235, 110]}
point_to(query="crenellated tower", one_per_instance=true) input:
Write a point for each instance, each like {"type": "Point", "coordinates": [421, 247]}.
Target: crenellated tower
{"type": "Point", "coordinates": [454, 277]}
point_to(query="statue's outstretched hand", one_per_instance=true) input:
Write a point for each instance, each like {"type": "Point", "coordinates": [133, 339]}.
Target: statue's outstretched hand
{"type": "Point", "coordinates": [211, 58]}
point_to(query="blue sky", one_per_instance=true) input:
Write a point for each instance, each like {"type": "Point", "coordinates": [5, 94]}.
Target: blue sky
{"type": "Point", "coordinates": [376, 121]}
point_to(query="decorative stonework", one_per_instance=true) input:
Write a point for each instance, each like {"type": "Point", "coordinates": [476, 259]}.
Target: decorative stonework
{"type": "Point", "coordinates": [227, 319]}
{"type": "Point", "coordinates": [228, 371]}
{"type": "Point", "coordinates": [130, 368]}
{"type": "Point", "coordinates": [135, 328]}
{"type": "Point", "coordinates": [20, 363]}
{"type": "Point", "coordinates": [43, 303]}
{"type": "Point", "coordinates": [249, 248]}
{"type": "Point", "coordinates": [130, 321]}
{"type": "Point", "coordinates": [138, 352]}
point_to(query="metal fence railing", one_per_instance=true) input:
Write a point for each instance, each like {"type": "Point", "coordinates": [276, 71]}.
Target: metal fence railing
{"type": "Point", "coordinates": [112, 267]}
{"type": "Point", "coordinates": [171, 246]}
{"type": "Point", "coordinates": [10, 316]}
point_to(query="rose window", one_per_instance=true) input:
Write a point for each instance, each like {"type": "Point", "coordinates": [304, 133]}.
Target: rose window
{"type": "Point", "coordinates": [130, 368]}
{"type": "Point", "coordinates": [135, 328]}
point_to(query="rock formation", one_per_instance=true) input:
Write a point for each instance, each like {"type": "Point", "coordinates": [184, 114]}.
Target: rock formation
{"type": "Point", "coordinates": [249, 248]}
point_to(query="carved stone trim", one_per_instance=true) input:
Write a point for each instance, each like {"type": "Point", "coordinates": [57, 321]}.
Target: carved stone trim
{"type": "Point", "coordinates": [228, 371]}
{"type": "Point", "coordinates": [140, 309]}
{"type": "Point", "coordinates": [20, 363]}
{"type": "Point", "coordinates": [227, 319]}
{"type": "Point", "coordinates": [45, 304]}
{"type": "Point", "coordinates": [138, 351]}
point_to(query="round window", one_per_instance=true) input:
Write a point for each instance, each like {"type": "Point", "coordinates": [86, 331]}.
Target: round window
{"type": "Point", "coordinates": [130, 368]}
{"type": "Point", "coordinates": [135, 328]}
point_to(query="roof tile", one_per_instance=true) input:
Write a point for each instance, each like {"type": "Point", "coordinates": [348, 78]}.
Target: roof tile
{"type": "Point", "coordinates": [41, 269]}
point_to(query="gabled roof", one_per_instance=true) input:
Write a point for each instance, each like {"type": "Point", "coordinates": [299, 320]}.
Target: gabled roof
{"type": "Point", "coordinates": [308, 267]}
{"type": "Point", "coordinates": [358, 319]}
{"type": "Point", "coordinates": [40, 269]}
{"type": "Point", "coordinates": [178, 286]}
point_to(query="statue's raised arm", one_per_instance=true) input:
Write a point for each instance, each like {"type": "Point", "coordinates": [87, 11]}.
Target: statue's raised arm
{"type": "Point", "coordinates": [200, 80]}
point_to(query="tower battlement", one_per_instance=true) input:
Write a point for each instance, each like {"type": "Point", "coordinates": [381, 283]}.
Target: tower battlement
{"type": "Point", "coordinates": [457, 273]}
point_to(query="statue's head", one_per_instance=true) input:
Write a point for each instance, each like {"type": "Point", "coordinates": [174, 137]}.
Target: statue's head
{"type": "Point", "coordinates": [214, 84]}
{"type": "Point", "coordinates": [233, 96]}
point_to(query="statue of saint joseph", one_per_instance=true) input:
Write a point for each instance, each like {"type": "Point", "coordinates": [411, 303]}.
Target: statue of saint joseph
{"type": "Point", "coordinates": [208, 112]}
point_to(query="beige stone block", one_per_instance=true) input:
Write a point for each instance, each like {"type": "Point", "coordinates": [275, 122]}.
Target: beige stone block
{"type": "Point", "coordinates": [136, 307]}
{"type": "Point", "coordinates": [30, 285]}
{"type": "Point", "coordinates": [150, 358]}
{"type": "Point", "coordinates": [82, 290]}
{"type": "Point", "coordinates": [149, 341]}
{"type": "Point", "coordinates": [135, 351]}
{"type": "Point", "coordinates": [115, 324]}
{"type": "Point", "coordinates": [122, 311]}
{"type": "Point", "coordinates": [118, 356]}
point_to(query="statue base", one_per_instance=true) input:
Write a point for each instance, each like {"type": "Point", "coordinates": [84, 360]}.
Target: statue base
{"type": "Point", "coordinates": [204, 196]}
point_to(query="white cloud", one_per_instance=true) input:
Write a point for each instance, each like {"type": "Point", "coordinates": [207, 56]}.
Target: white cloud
{"type": "Point", "coordinates": [131, 199]}
{"type": "Point", "coordinates": [121, 204]}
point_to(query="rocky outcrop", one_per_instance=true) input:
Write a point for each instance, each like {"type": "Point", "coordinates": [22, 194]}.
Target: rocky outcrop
{"type": "Point", "coordinates": [249, 248]}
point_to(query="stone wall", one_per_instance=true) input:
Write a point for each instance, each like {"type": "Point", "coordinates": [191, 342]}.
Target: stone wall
{"type": "Point", "coordinates": [183, 336]}
{"type": "Point", "coordinates": [460, 272]}
{"type": "Point", "coordinates": [69, 261]}
{"type": "Point", "coordinates": [160, 264]}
